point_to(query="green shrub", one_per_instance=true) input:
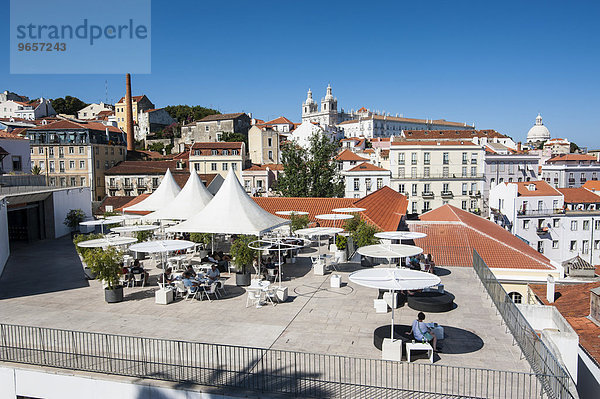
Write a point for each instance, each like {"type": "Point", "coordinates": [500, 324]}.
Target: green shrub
{"type": "Point", "coordinates": [365, 234]}
{"type": "Point", "coordinates": [73, 218]}
{"type": "Point", "coordinates": [299, 222]}
{"type": "Point", "coordinates": [201, 238]}
{"type": "Point", "coordinates": [143, 235]}
{"type": "Point", "coordinates": [341, 241]}
{"type": "Point", "coordinates": [105, 264]}
{"type": "Point", "coordinates": [84, 237]}
{"type": "Point", "coordinates": [243, 256]}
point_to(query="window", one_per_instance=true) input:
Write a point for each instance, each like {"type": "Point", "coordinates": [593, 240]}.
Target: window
{"type": "Point", "coordinates": [445, 158]}
{"type": "Point", "coordinates": [270, 155]}
{"type": "Point", "coordinates": [426, 171]}
{"type": "Point", "coordinates": [214, 152]}
{"type": "Point", "coordinates": [555, 223]}
{"type": "Point", "coordinates": [401, 172]}
{"type": "Point", "coordinates": [413, 172]}
{"type": "Point", "coordinates": [413, 159]}
{"type": "Point", "coordinates": [233, 166]}
{"type": "Point", "coordinates": [82, 181]}
{"type": "Point", "coordinates": [225, 152]}
{"type": "Point", "coordinates": [379, 183]}
{"type": "Point", "coordinates": [596, 244]}
{"type": "Point", "coordinates": [81, 150]}
{"type": "Point", "coordinates": [445, 187]}
{"type": "Point", "coordinates": [473, 157]}
{"type": "Point", "coordinates": [414, 189]}
{"type": "Point", "coordinates": [401, 158]}
{"type": "Point", "coordinates": [213, 166]}
{"type": "Point", "coordinates": [464, 189]}
{"type": "Point", "coordinates": [51, 152]}
{"type": "Point", "coordinates": [106, 165]}
{"type": "Point", "coordinates": [573, 246]}
{"type": "Point", "coordinates": [464, 161]}
{"type": "Point", "coordinates": [540, 205]}
{"type": "Point", "coordinates": [356, 184]}
{"type": "Point", "coordinates": [61, 166]}
{"type": "Point", "coordinates": [596, 224]}
{"type": "Point", "coordinates": [140, 181]}
{"type": "Point", "coordinates": [516, 297]}
{"type": "Point", "coordinates": [464, 171]}
{"type": "Point", "coordinates": [586, 224]}
{"type": "Point", "coordinates": [554, 244]}
{"type": "Point", "coordinates": [97, 164]}
{"type": "Point", "coordinates": [224, 166]}
{"type": "Point", "coordinates": [50, 165]}
{"type": "Point", "coordinates": [426, 158]}
{"type": "Point", "coordinates": [53, 181]}
{"type": "Point", "coordinates": [427, 187]}
{"type": "Point", "coordinates": [81, 164]}
{"type": "Point", "coordinates": [473, 171]}
{"type": "Point", "coordinates": [526, 224]}
{"type": "Point", "coordinates": [585, 246]}
{"type": "Point", "coordinates": [269, 142]}
{"type": "Point", "coordinates": [463, 205]}
{"type": "Point", "coordinates": [97, 151]}
{"type": "Point", "coordinates": [61, 152]}
{"type": "Point", "coordinates": [206, 128]}
{"type": "Point", "coordinates": [63, 181]}
{"type": "Point", "coordinates": [573, 225]}
{"type": "Point", "coordinates": [554, 204]}
{"type": "Point", "coordinates": [426, 206]}
{"type": "Point", "coordinates": [71, 164]}
{"type": "Point", "coordinates": [540, 247]}
{"type": "Point", "coordinates": [155, 182]}
{"type": "Point", "coordinates": [235, 152]}
{"type": "Point", "coordinates": [401, 188]}
{"type": "Point", "coordinates": [40, 150]}
{"type": "Point", "coordinates": [368, 183]}
{"type": "Point", "coordinates": [16, 163]}
{"type": "Point", "coordinates": [105, 150]}
{"type": "Point", "coordinates": [73, 181]}
{"type": "Point", "coordinates": [474, 188]}
{"type": "Point", "coordinates": [414, 207]}
{"type": "Point", "coordinates": [445, 171]}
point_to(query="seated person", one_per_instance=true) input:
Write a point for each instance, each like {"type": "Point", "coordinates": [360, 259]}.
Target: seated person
{"type": "Point", "coordinates": [222, 260]}
{"type": "Point", "coordinates": [189, 283]}
{"type": "Point", "coordinates": [125, 272]}
{"type": "Point", "coordinates": [429, 265]}
{"type": "Point", "coordinates": [422, 333]}
{"type": "Point", "coordinates": [213, 274]}
{"type": "Point", "coordinates": [211, 258]}
{"type": "Point", "coordinates": [191, 271]}
{"type": "Point", "coordinates": [167, 277]}
{"type": "Point", "coordinates": [138, 269]}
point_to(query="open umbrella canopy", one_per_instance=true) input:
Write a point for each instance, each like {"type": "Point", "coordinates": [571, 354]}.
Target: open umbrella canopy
{"type": "Point", "coordinates": [389, 251]}
{"type": "Point", "coordinates": [191, 199]}
{"type": "Point", "coordinates": [334, 216]}
{"type": "Point", "coordinates": [290, 213]}
{"type": "Point", "coordinates": [106, 242]}
{"type": "Point", "coordinates": [349, 210]}
{"type": "Point", "coordinates": [99, 222]}
{"type": "Point", "coordinates": [135, 227]}
{"type": "Point", "coordinates": [318, 231]}
{"type": "Point", "coordinates": [163, 196]}
{"type": "Point", "coordinates": [394, 279]}
{"type": "Point", "coordinates": [231, 211]}
{"type": "Point", "coordinates": [161, 246]}
{"type": "Point", "coordinates": [400, 235]}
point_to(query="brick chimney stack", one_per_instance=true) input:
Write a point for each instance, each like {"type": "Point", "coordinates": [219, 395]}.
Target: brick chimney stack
{"type": "Point", "coordinates": [129, 115]}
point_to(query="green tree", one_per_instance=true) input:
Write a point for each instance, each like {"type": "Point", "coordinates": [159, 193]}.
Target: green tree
{"type": "Point", "coordinates": [232, 137]}
{"type": "Point", "coordinates": [311, 172]}
{"type": "Point", "coordinates": [185, 114]}
{"type": "Point", "coordinates": [243, 256]}
{"type": "Point", "coordinates": [365, 234]}
{"type": "Point", "coordinates": [573, 148]}
{"type": "Point", "coordinates": [105, 264]}
{"type": "Point", "coordinates": [73, 218]}
{"type": "Point", "coordinates": [298, 222]}
{"type": "Point", "coordinates": [68, 105]}
{"type": "Point", "coordinates": [36, 170]}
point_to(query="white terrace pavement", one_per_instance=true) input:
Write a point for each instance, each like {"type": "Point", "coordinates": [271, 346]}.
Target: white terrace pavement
{"type": "Point", "coordinates": [43, 285]}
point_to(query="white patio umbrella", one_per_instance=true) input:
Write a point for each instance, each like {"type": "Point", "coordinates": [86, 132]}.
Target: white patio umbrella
{"type": "Point", "coordinates": [268, 243]}
{"type": "Point", "coordinates": [400, 235]}
{"type": "Point", "coordinates": [134, 228]}
{"type": "Point", "coordinates": [318, 232]}
{"type": "Point", "coordinates": [392, 279]}
{"type": "Point", "coordinates": [107, 242]}
{"type": "Point", "coordinates": [161, 246]}
{"type": "Point", "coordinates": [349, 210]}
{"type": "Point", "coordinates": [335, 217]}
{"type": "Point", "coordinates": [103, 222]}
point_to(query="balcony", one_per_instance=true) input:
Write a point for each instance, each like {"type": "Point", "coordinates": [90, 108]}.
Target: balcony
{"type": "Point", "coordinates": [425, 210]}
{"type": "Point", "coordinates": [475, 211]}
{"type": "Point", "coordinates": [127, 186]}
{"type": "Point", "coordinates": [476, 194]}
{"type": "Point", "coordinates": [540, 212]}
{"type": "Point", "coordinates": [113, 186]}
{"type": "Point", "coordinates": [571, 181]}
{"type": "Point", "coordinates": [427, 194]}
{"type": "Point", "coordinates": [440, 176]}
{"type": "Point", "coordinates": [447, 194]}
{"type": "Point", "coordinates": [541, 230]}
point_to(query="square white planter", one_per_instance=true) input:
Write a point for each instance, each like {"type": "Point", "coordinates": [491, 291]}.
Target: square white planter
{"type": "Point", "coordinates": [282, 294]}
{"type": "Point", "coordinates": [163, 297]}
{"type": "Point", "coordinates": [391, 299]}
{"type": "Point", "coordinates": [391, 349]}
{"type": "Point", "coordinates": [380, 306]}
{"type": "Point", "coordinates": [336, 281]}
{"type": "Point", "coordinates": [319, 268]}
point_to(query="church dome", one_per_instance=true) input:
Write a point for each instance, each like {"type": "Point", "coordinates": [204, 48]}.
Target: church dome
{"type": "Point", "coordinates": [538, 132]}
{"type": "Point", "coordinates": [309, 99]}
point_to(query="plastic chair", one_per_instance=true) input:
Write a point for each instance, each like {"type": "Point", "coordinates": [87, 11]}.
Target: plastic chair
{"type": "Point", "coordinates": [254, 297]}
{"type": "Point", "coordinates": [220, 286]}
{"type": "Point", "coordinates": [211, 291]}
{"type": "Point", "coordinates": [139, 278]}
{"type": "Point", "coordinates": [125, 280]}
{"type": "Point", "coordinates": [190, 293]}
{"type": "Point", "coordinates": [180, 289]}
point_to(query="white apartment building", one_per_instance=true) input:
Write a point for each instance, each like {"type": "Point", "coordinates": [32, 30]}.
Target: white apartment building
{"type": "Point", "coordinates": [219, 157]}
{"type": "Point", "coordinates": [92, 110]}
{"type": "Point", "coordinates": [560, 223]}
{"type": "Point", "coordinates": [570, 170]}
{"type": "Point", "coordinates": [31, 110]}
{"type": "Point", "coordinates": [432, 174]}
{"type": "Point", "coordinates": [363, 179]}
{"type": "Point", "coordinates": [14, 154]}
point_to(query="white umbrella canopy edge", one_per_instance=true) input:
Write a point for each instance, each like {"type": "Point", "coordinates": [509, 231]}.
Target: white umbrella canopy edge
{"type": "Point", "coordinates": [106, 242]}
{"type": "Point", "coordinates": [399, 235]}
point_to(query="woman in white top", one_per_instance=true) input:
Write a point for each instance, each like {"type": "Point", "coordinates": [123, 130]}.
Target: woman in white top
{"type": "Point", "coordinates": [420, 330]}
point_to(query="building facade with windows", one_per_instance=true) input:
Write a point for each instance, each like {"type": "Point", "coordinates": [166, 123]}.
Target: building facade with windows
{"type": "Point", "coordinates": [91, 111]}
{"type": "Point", "coordinates": [14, 154]}
{"type": "Point", "coordinates": [261, 180]}
{"type": "Point", "coordinates": [264, 145]}
{"type": "Point", "coordinates": [364, 179]}
{"type": "Point", "coordinates": [219, 157]}
{"type": "Point", "coordinates": [212, 127]}
{"type": "Point", "coordinates": [139, 104]}
{"type": "Point", "coordinates": [570, 170]}
{"type": "Point", "coordinates": [76, 154]}
{"type": "Point", "coordinates": [560, 223]}
{"type": "Point", "coordinates": [29, 110]}
{"type": "Point", "coordinates": [435, 173]}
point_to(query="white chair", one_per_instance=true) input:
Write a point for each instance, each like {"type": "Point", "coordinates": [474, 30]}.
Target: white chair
{"type": "Point", "coordinates": [254, 297]}
{"type": "Point", "coordinates": [139, 278]}
{"type": "Point", "coordinates": [212, 290]}
{"type": "Point", "coordinates": [192, 294]}
{"type": "Point", "coordinates": [180, 289]}
{"type": "Point", "coordinates": [221, 286]}
{"type": "Point", "coordinates": [271, 295]}
{"type": "Point", "coordinates": [124, 280]}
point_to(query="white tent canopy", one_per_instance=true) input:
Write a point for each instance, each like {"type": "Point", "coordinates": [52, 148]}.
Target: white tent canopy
{"type": "Point", "coordinates": [163, 196]}
{"type": "Point", "coordinates": [192, 199]}
{"type": "Point", "coordinates": [231, 211]}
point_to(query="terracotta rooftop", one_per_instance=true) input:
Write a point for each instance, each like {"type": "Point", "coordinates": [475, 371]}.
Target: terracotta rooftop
{"type": "Point", "coordinates": [11, 136]}
{"type": "Point", "coordinates": [67, 124]}
{"type": "Point", "coordinates": [348, 155]}
{"type": "Point", "coordinates": [133, 99]}
{"type": "Point", "coordinates": [579, 195]}
{"type": "Point", "coordinates": [593, 185]}
{"type": "Point", "coordinates": [367, 167]}
{"type": "Point", "coordinates": [451, 134]}
{"type": "Point", "coordinates": [572, 157]}
{"type": "Point", "coordinates": [145, 167]}
{"type": "Point", "coordinates": [134, 201]}
{"type": "Point", "coordinates": [220, 117]}
{"type": "Point", "coordinates": [385, 207]}
{"type": "Point", "coordinates": [453, 234]}
{"type": "Point", "coordinates": [542, 189]}
{"type": "Point", "coordinates": [280, 121]}
{"type": "Point", "coordinates": [407, 120]}
{"type": "Point", "coordinates": [115, 201]}
{"type": "Point", "coordinates": [434, 143]}
{"type": "Point", "coordinates": [573, 302]}
{"type": "Point", "coordinates": [271, 166]}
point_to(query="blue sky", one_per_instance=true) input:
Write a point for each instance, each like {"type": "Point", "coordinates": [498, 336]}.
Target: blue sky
{"type": "Point", "coordinates": [495, 64]}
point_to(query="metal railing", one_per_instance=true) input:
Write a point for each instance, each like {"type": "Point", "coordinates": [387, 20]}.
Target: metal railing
{"type": "Point", "coordinates": [256, 369]}
{"type": "Point", "coordinates": [555, 379]}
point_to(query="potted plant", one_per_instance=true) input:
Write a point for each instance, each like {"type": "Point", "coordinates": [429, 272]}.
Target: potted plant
{"type": "Point", "coordinates": [72, 220]}
{"type": "Point", "coordinates": [364, 235]}
{"type": "Point", "coordinates": [82, 251]}
{"type": "Point", "coordinates": [243, 256]}
{"type": "Point", "coordinates": [105, 264]}
{"type": "Point", "coordinates": [204, 239]}
{"type": "Point", "coordinates": [340, 253]}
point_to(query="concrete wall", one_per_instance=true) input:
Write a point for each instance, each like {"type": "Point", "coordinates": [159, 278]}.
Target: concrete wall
{"type": "Point", "coordinates": [55, 384]}
{"type": "Point", "coordinates": [4, 243]}
{"type": "Point", "coordinates": [65, 200]}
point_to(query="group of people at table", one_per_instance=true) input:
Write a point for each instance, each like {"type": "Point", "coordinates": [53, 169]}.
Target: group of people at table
{"type": "Point", "coordinates": [191, 279]}
{"type": "Point", "coordinates": [420, 262]}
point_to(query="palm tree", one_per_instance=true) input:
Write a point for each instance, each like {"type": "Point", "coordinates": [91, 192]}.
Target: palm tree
{"type": "Point", "coordinates": [36, 170]}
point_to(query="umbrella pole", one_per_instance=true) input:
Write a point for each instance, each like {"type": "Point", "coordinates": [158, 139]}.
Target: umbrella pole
{"type": "Point", "coordinates": [392, 333]}
{"type": "Point", "coordinates": [280, 265]}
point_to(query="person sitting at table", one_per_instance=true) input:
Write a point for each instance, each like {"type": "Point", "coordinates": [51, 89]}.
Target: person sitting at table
{"type": "Point", "coordinates": [167, 277]}
{"type": "Point", "coordinates": [422, 332]}
{"type": "Point", "coordinates": [429, 265]}
{"type": "Point", "coordinates": [188, 282]}
{"type": "Point", "coordinates": [125, 271]}
{"type": "Point", "coordinates": [138, 269]}
{"type": "Point", "coordinates": [222, 260]}
{"type": "Point", "coordinates": [191, 271]}
{"type": "Point", "coordinates": [211, 258]}
{"type": "Point", "coordinates": [213, 274]}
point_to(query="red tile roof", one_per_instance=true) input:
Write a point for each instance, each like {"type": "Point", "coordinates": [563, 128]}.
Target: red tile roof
{"type": "Point", "coordinates": [367, 167]}
{"type": "Point", "coordinates": [280, 121]}
{"type": "Point", "coordinates": [593, 185]}
{"type": "Point", "coordinates": [67, 124]}
{"type": "Point", "coordinates": [133, 99]}
{"type": "Point", "coordinates": [579, 195]}
{"type": "Point", "coordinates": [451, 134]}
{"type": "Point", "coordinates": [572, 157]}
{"type": "Point", "coordinates": [134, 201]}
{"type": "Point", "coordinates": [573, 302]}
{"type": "Point", "coordinates": [385, 153]}
{"type": "Point", "coordinates": [542, 189]}
{"type": "Point", "coordinates": [145, 168]}
{"type": "Point", "coordinates": [220, 117]}
{"type": "Point", "coordinates": [453, 234]}
{"type": "Point", "coordinates": [384, 207]}
{"type": "Point", "coordinates": [434, 143]}
{"type": "Point", "coordinates": [115, 201]}
{"type": "Point", "coordinates": [11, 136]}
{"type": "Point", "coordinates": [348, 155]}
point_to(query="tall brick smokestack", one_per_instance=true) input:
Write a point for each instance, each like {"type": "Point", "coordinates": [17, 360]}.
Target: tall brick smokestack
{"type": "Point", "coordinates": [129, 115]}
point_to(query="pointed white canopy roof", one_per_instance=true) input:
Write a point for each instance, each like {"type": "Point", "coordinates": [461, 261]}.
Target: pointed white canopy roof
{"type": "Point", "coordinates": [231, 211]}
{"type": "Point", "coordinates": [192, 199]}
{"type": "Point", "coordinates": [164, 195]}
